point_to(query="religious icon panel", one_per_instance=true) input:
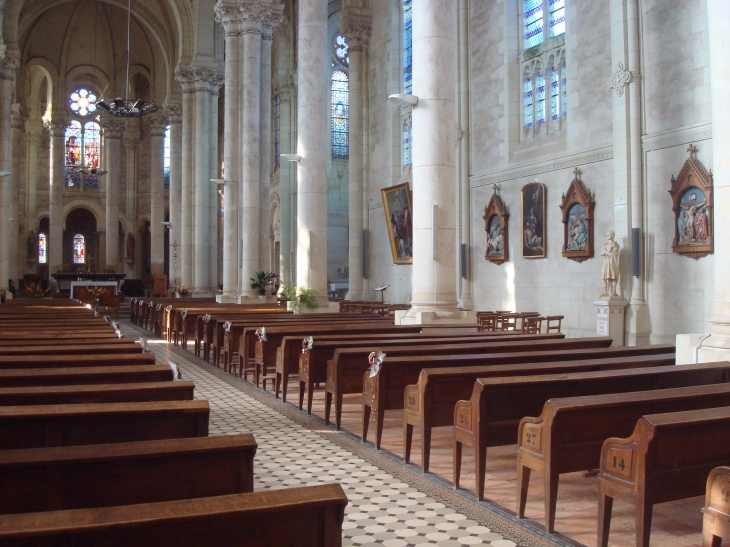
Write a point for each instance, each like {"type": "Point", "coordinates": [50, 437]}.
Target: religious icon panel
{"type": "Point", "coordinates": [399, 220]}
{"type": "Point", "coordinates": [577, 209]}
{"type": "Point", "coordinates": [496, 221]}
{"type": "Point", "coordinates": [533, 221]}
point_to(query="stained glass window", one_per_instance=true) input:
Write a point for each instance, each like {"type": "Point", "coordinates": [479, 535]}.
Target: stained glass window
{"type": "Point", "coordinates": [166, 156]}
{"type": "Point", "coordinates": [540, 84]}
{"type": "Point", "coordinates": [408, 46]}
{"type": "Point", "coordinates": [554, 94]}
{"type": "Point", "coordinates": [564, 88]}
{"type": "Point", "coordinates": [406, 144]}
{"type": "Point", "coordinates": [341, 48]}
{"type": "Point", "coordinates": [277, 131]}
{"type": "Point", "coordinates": [528, 100]}
{"type": "Point", "coordinates": [42, 249]}
{"type": "Point", "coordinates": [340, 115]}
{"type": "Point", "coordinates": [79, 249]}
{"type": "Point", "coordinates": [82, 102]}
{"type": "Point", "coordinates": [73, 154]}
{"type": "Point", "coordinates": [533, 21]}
{"type": "Point", "coordinates": [92, 147]}
{"type": "Point", "coordinates": [557, 17]}
{"type": "Point", "coordinates": [83, 146]}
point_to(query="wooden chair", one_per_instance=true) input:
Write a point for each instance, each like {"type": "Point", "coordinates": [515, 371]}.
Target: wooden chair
{"type": "Point", "coordinates": [532, 324]}
{"type": "Point", "coordinates": [111, 304]}
{"type": "Point", "coordinates": [488, 322]}
{"type": "Point", "coordinates": [716, 522]}
{"type": "Point", "coordinates": [553, 323]}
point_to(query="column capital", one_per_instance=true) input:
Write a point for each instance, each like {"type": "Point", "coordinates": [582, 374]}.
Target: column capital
{"type": "Point", "coordinates": [272, 19]}
{"type": "Point", "coordinates": [203, 78]}
{"type": "Point", "coordinates": [228, 13]}
{"type": "Point", "coordinates": [216, 83]}
{"type": "Point", "coordinates": [156, 125]}
{"type": "Point", "coordinates": [56, 126]}
{"type": "Point", "coordinates": [173, 111]}
{"type": "Point", "coordinates": [113, 127]}
{"type": "Point", "coordinates": [355, 25]}
{"type": "Point", "coordinates": [184, 75]}
{"type": "Point", "coordinates": [284, 90]}
{"type": "Point", "coordinates": [8, 66]}
{"type": "Point", "coordinates": [19, 113]}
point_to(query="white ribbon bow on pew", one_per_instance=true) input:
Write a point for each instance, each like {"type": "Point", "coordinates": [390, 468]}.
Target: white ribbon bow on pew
{"type": "Point", "coordinates": [206, 318]}
{"type": "Point", "coordinates": [307, 343]}
{"type": "Point", "coordinates": [261, 333]}
{"type": "Point", "coordinates": [143, 342]}
{"type": "Point", "coordinates": [176, 374]}
{"type": "Point", "coordinates": [375, 358]}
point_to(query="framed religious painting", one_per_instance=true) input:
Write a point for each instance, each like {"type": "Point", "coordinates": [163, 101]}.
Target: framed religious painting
{"type": "Point", "coordinates": [533, 220]}
{"type": "Point", "coordinates": [577, 207]}
{"type": "Point", "coordinates": [399, 220]}
{"type": "Point", "coordinates": [692, 203]}
{"type": "Point", "coordinates": [496, 224]}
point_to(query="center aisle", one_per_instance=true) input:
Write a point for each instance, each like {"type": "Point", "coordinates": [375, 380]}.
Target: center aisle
{"type": "Point", "coordinates": [383, 509]}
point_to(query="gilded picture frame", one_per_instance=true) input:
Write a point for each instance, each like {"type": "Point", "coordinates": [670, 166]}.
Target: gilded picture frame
{"type": "Point", "coordinates": [533, 198]}
{"type": "Point", "coordinates": [398, 208]}
{"type": "Point", "coordinates": [496, 224]}
{"type": "Point", "coordinates": [577, 207]}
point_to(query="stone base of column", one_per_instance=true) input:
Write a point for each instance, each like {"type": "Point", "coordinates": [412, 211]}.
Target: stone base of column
{"type": "Point", "coordinates": [226, 299]}
{"type": "Point", "coordinates": [610, 318]}
{"type": "Point", "coordinates": [450, 317]}
{"type": "Point", "coordinates": [638, 327]}
{"type": "Point", "coordinates": [466, 303]}
{"type": "Point", "coordinates": [202, 293]}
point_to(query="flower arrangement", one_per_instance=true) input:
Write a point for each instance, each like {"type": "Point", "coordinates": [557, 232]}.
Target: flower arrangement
{"type": "Point", "coordinates": [149, 283]}
{"type": "Point", "coordinates": [35, 290]}
{"type": "Point", "coordinates": [182, 291]}
{"type": "Point", "coordinates": [302, 296]}
{"type": "Point", "coordinates": [97, 293]}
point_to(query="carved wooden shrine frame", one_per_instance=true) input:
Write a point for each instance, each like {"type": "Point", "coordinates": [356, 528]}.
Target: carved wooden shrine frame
{"type": "Point", "coordinates": [693, 175]}
{"type": "Point", "coordinates": [542, 208]}
{"type": "Point", "coordinates": [577, 194]}
{"type": "Point", "coordinates": [497, 208]}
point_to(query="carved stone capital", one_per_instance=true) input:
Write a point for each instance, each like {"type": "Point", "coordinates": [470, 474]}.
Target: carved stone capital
{"type": "Point", "coordinates": [228, 13]}
{"type": "Point", "coordinates": [19, 113]}
{"type": "Point", "coordinates": [174, 112]}
{"type": "Point", "coordinates": [156, 125]}
{"type": "Point", "coordinates": [272, 19]}
{"type": "Point", "coordinates": [113, 127]}
{"type": "Point", "coordinates": [203, 78]}
{"type": "Point", "coordinates": [285, 91]}
{"type": "Point", "coordinates": [131, 139]}
{"type": "Point", "coordinates": [355, 25]}
{"type": "Point", "coordinates": [184, 75]}
{"type": "Point", "coordinates": [8, 66]}
{"type": "Point", "coordinates": [216, 83]}
{"type": "Point", "coordinates": [56, 127]}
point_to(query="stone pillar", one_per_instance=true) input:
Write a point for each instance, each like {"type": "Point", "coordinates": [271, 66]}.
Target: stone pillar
{"type": "Point", "coordinates": [355, 25]}
{"type": "Point", "coordinates": [131, 140]}
{"type": "Point", "coordinates": [434, 160]}
{"type": "Point", "coordinates": [265, 242]}
{"type": "Point", "coordinates": [174, 116]}
{"type": "Point", "coordinates": [313, 146]}
{"type": "Point", "coordinates": [229, 14]}
{"type": "Point", "coordinates": [214, 173]}
{"type": "Point", "coordinates": [33, 138]}
{"type": "Point", "coordinates": [250, 134]}
{"type": "Point", "coordinates": [287, 187]}
{"type": "Point", "coordinates": [7, 73]}
{"type": "Point", "coordinates": [16, 266]}
{"type": "Point", "coordinates": [186, 79]}
{"type": "Point", "coordinates": [57, 129]}
{"type": "Point", "coordinates": [113, 128]}
{"type": "Point", "coordinates": [156, 127]}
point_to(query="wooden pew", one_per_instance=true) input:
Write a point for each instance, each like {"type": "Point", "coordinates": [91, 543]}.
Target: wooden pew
{"type": "Point", "coordinates": [206, 326]}
{"type": "Point", "coordinates": [492, 415]}
{"type": "Point", "coordinates": [430, 402]}
{"type": "Point", "coordinates": [313, 517]}
{"type": "Point", "coordinates": [568, 435]}
{"type": "Point", "coordinates": [98, 393]}
{"type": "Point", "coordinates": [668, 457]}
{"type": "Point", "coordinates": [78, 477]}
{"type": "Point", "coordinates": [84, 375]}
{"type": "Point", "coordinates": [108, 338]}
{"type": "Point", "coordinates": [75, 360]}
{"type": "Point", "coordinates": [294, 356]}
{"type": "Point", "coordinates": [212, 333]}
{"type": "Point", "coordinates": [37, 426]}
{"type": "Point", "coordinates": [716, 521]}
{"type": "Point", "coordinates": [130, 347]}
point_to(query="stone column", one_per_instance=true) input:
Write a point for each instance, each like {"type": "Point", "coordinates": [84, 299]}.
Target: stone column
{"type": "Point", "coordinates": [228, 13]}
{"type": "Point", "coordinates": [156, 127]}
{"type": "Point", "coordinates": [286, 185]}
{"type": "Point", "coordinates": [7, 73]}
{"type": "Point", "coordinates": [214, 173]}
{"type": "Point", "coordinates": [174, 116]}
{"type": "Point", "coordinates": [57, 129]}
{"type": "Point", "coordinates": [355, 25]}
{"type": "Point", "coordinates": [434, 159]}
{"type": "Point", "coordinates": [185, 77]}
{"type": "Point", "coordinates": [131, 140]}
{"type": "Point", "coordinates": [265, 242]}
{"type": "Point", "coordinates": [313, 146]}
{"type": "Point", "coordinates": [33, 138]}
{"type": "Point", "coordinates": [16, 267]}
{"type": "Point", "coordinates": [250, 195]}
{"type": "Point", "coordinates": [113, 128]}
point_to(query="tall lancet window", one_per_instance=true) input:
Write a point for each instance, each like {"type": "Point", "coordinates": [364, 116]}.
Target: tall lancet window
{"type": "Point", "coordinates": [79, 250]}
{"type": "Point", "coordinates": [527, 100]}
{"type": "Point", "coordinates": [166, 156]}
{"type": "Point", "coordinates": [340, 101]}
{"type": "Point", "coordinates": [557, 18]}
{"type": "Point", "coordinates": [540, 84]}
{"type": "Point", "coordinates": [42, 249]}
{"type": "Point", "coordinates": [73, 154]}
{"type": "Point", "coordinates": [408, 46]}
{"type": "Point", "coordinates": [533, 23]}
{"type": "Point", "coordinates": [83, 140]}
{"type": "Point", "coordinates": [554, 94]}
{"type": "Point", "coordinates": [92, 149]}
{"type": "Point", "coordinates": [406, 143]}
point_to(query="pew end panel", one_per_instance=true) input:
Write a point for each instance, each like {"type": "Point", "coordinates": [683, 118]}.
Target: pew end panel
{"type": "Point", "coordinates": [466, 415]}
{"type": "Point", "coordinates": [716, 519]}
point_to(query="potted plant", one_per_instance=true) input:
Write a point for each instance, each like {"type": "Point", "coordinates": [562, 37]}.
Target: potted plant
{"type": "Point", "coordinates": [35, 290]}
{"type": "Point", "coordinates": [182, 291]}
{"type": "Point", "coordinates": [303, 297]}
{"type": "Point", "coordinates": [262, 280]}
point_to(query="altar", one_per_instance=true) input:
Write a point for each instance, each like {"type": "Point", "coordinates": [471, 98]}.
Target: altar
{"type": "Point", "coordinates": [88, 284]}
{"type": "Point", "coordinates": [65, 280]}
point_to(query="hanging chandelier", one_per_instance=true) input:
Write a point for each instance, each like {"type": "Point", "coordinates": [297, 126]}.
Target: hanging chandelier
{"type": "Point", "coordinates": [127, 108]}
{"type": "Point", "coordinates": [93, 172]}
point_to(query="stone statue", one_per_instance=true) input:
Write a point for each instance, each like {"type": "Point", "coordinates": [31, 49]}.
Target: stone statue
{"type": "Point", "coordinates": [130, 246]}
{"type": "Point", "coordinates": [610, 270]}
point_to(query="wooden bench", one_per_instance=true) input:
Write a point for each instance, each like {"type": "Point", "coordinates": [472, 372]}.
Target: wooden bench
{"type": "Point", "coordinates": [74, 360]}
{"type": "Point", "coordinates": [716, 521]}
{"type": "Point", "coordinates": [313, 517]}
{"type": "Point", "coordinates": [492, 415]}
{"type": "Point", "coordinates": [84, 375]}
{"type": "Point", "coordinates": [78, 477]}
{"type": "Point", "coordinates": [430, 402]}
{"type": "Point", "coordinates": [129, 347]}
{"type": "Point", "coordinates": [294, 356]}
{"type": "Point", "coordinates": [107, 338]}
{"type": "Point", "coordinates": [97, 393]}
{"type": "Point", "coordinates": [37, 426]}
{"type": "Point", "coordinates": [569, 433]}
{"type": "Point", "coordinates": [206, 326]}
{"type": "Point", "coordinates": [668, 457]}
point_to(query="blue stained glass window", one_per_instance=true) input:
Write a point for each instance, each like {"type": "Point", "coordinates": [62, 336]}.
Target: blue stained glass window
{"type": "Point", "coordinates": [564, 88]}
{"type": "Point", "coordinates": [166, 156]}
{"type": "Point", "coordinates": [540, 84]}
{"type": "Point", "coordinates": [42, 248]}
{"type": "Point", "coordinates": [92, 148]}
{"type": "Point", "coordinates": [533, 21]}
{"type": "Point", "coordinates": [277, 131]}
{"type": "Point", "coordinates": [340, 101]}
{"type": "Point", "coordinates": [341, 50]}
{"type": "Point", "coordinates": [408, 46]}
{"type": "Point", "coordinates": [406, 144]}
{"type": "Point", "coordinates": [554, 94]}
{"type": "Point", "coordinates": [557, 18]}
{"type": "Point", "coordinates": [73, 154]}
{"type": "Point", "coordinates": [79, 249]}
{"type": "Point", "coordinates": [82, 102]}
{"type": "Point", "coordinates": [528, 100]}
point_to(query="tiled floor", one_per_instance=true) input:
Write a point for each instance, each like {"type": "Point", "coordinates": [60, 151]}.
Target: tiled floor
{"type": "Point", "coordinates": [394, 504]}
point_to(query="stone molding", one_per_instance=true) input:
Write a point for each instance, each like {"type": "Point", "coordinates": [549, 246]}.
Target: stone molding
{"type": "Point", "coordinates": [113, 128]}
{"type": "Point", "coordinates": [228, 13]}
{"type": "Point", "coordinates": [285, 91]}
{"type": "Point", "coordinates": [539, 167]}
{"type": "Point", "coordinates": [8, 66]}
{"type": "Point", "coordinates": [131, 139]}
{"type": "Point", "coordinates": [677, 137]}
{"type": "Point", "coordinates": [216, 83]}
{"type": "Point", "coordinates": [185, 76]}
{"type": "Point", "coordinates": [174, 112]}
{"type": "Point", "coordinates": [247, 17]}
{"type": "Point", "coordinates": [156, 125]}
{"type": "Point", "coordinates": [19, 113]}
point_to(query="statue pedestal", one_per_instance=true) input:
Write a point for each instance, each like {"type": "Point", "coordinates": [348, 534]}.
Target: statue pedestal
{"type": "Point", "coordinates": [610, 318]}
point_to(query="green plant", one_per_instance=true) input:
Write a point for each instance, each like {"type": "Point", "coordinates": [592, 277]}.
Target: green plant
{"type": "Point", "coordinates": [110, 269]}
{"type": "Point", "coordinates": [287, 293]}
{"type": "Point", "coordinates": [262, 280]}
{"type": "Point", "coordinates": [304, 296]}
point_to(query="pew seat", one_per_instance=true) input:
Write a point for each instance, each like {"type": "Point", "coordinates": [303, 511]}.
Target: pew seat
{"type": "Point", "coordinates": [99, 393]}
